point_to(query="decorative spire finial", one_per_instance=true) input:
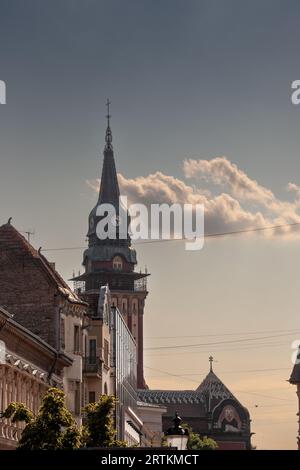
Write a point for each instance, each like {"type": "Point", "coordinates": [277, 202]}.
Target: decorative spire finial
{"type": "Point", "coordinates": [108, 136]}
{"type": "Point", "coordinates": [211, 360]}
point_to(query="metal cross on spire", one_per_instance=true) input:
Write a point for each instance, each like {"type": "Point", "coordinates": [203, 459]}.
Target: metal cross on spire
{"type": "Point", "coordinates": [108, 136]}
{"type": "Point", "coordinates": [108, 103]}
{"type": "Point", "coordinates": [211, 360]}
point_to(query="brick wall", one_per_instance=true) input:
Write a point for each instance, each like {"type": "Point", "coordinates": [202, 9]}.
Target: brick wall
{"type": "Point", "coordinates": [26, 292]}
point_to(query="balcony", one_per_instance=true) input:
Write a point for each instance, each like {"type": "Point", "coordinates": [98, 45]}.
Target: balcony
{"type": "Point", "coordinates": [92, 366]}
{"type": "Point", "coordinates": [10, 433]}
{"type": "Point", "coordinates": [140, 285]}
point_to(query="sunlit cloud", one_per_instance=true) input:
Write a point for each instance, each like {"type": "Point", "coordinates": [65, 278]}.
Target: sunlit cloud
{"type": "Point", "coordinates": [233, 201]}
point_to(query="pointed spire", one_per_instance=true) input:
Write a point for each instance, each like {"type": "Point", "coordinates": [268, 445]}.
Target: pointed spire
{"type": "Point", "coordinates": [109, 188]}
{"type": "Point", "coordinates": [108, 135]}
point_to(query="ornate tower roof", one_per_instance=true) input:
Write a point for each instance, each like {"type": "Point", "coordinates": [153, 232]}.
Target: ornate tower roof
{"type": "Point", "coordinates": [213, 387]}
{"type": "Point", "coordinates": [109, 187]}
{"type": "Point", "coordinates": [109, 193]}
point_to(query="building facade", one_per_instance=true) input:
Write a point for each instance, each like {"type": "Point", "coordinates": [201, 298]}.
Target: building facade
{"type": "Point", "coordinates": [211, 410]}
{"type": "Point", "coordinates": [110, 367]}
{"type": "Point", "coordinates": [97, 357]}
{"type": "Point", "coordinates": [28, 367]}
{"type": "Point", "coordinates": [124, 377]}
{"type": "Point", "coordinates": [41, 301]}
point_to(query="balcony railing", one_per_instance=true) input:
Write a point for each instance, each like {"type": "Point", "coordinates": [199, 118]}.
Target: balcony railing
{"type": "Point", "coordinates": [140, 285]}
{"type": "Point", "coordinates": [92, 365]}
{"type": "Point", "coordinates": [10, 431]}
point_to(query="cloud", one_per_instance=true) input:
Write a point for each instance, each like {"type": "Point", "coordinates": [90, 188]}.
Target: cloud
{"type": "Point", "coordinates": [222, 172]}
{"type": "Point", "coordinates": [233, 201]}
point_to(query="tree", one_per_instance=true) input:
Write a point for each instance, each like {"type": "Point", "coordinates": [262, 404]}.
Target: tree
{"type": "Point", "coordinates": [195, 442]}
{"type": "Point", "coordinates": [99, 430]}
{"type": "Point", "coordinates": [53, 428]}
{"type": "Point", "coordinates": [18, 412]}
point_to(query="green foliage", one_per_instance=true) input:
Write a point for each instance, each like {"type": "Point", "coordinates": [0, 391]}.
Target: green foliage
{"type": "Point", "coordinates": [99, 430]}
{"type": "Point", "coordinates": [71, 438]}
{"type": "Point", "coordinates": [53, 428]}
{"type": "Point", "coordinates": [195, 442]}
{"type": "Point", "coordinates": [18, 412]}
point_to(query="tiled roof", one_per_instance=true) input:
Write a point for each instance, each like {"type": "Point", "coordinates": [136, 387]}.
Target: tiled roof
{"type": "Point", "coordinates": [171, 396]}
{"type": "Point", "coordinates": [12, 241]}
{"type": "Point", "coordinates": [210, 392]}
{"type": "Point", "coordinates": [213, 387]}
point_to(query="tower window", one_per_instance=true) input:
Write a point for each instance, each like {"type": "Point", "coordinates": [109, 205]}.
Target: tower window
{"type": "Point", "coordinates": [117, 263]}
{"type": "Point", "coordinates": [124, 306]}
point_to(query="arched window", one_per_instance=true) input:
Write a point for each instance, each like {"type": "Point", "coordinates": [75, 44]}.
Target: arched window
{"type": "Point", "coordinates": [117, 263]}
{"type": "Point", "coordinates": [134, 306]}
{"type": "Point", "coordinates": [124, 305]}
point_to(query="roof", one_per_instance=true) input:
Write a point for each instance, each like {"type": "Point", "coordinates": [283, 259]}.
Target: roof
{"type": "Point", "coordinates": [109, 187]}
{"type": "Point", "coordinates": [12, 240]}
{"type": "Point", "coordinates": [107, 252]}
{"type": "Point", "coordinates": [295, 375]}
{"type": "Point", "coordinates": [214, 387]}
{"type": "Point", "coordinates": [209, 394]}
{"type": "Point", "coordinates": [171, 396]}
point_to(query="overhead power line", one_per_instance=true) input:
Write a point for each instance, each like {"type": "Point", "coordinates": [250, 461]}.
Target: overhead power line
{"type": "Point", "coordinates": [252, 347]}
{"type": "Point", "coordinates": [236, 391]}
{"type": "Point", "coordinates": [209, 235]}
{"type": "Point", "coordinates": [224, 334]}
{"type": "Point", "coordinates": [180, 346]}
{"type": "Point", "coordinates": [238, 371]}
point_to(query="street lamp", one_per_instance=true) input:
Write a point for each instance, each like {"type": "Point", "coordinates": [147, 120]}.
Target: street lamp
{"type": "Point", "coordinates": [177, 436]}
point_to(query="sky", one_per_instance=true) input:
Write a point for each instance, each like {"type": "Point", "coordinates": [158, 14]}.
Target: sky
{"type": "Point", "coordinates": [201, 111]}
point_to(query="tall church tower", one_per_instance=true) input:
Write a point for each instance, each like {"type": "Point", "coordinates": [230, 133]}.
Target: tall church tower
{"type": "Point", "coordinates": [113, 261]}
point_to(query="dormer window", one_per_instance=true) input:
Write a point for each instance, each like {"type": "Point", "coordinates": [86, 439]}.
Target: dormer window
{"type": "Point", "coordinates": [117, 263]}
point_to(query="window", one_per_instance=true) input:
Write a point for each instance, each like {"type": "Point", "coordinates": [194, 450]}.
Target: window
{"type": "Point", "coordinates": [105, 389]}
{"type": "Point", "coordinates": [62, 333]}
{"type": "Point", "coordinates": [76, 338]}
{"type": "Point", "coordinates": [77, 399]}
{"type": "Point", "coordinates": [106, 352]}
{"type": "Point", "coordinates": [117, 263]}
{"type": "Point", "coordinates": [124, 306]}
{"type": "Point", "coordinates": [134, 306]}
{"type": "Point", "coordinates": [92, 351]}
{"type": "Point", "coordinates": [92, 397]}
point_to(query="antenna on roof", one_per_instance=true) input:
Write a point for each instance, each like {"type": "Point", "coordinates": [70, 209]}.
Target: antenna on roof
{"type": "Point", "coordinates": [29, 233]}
